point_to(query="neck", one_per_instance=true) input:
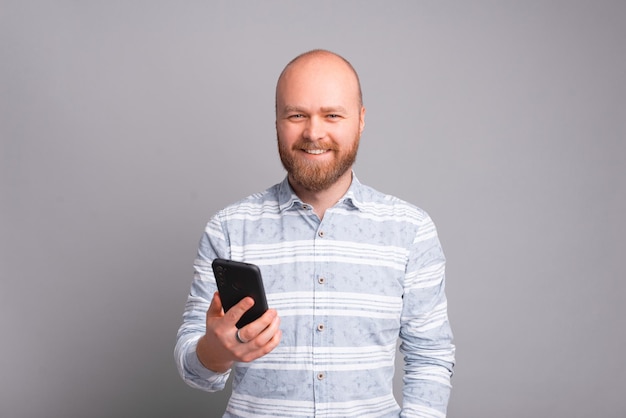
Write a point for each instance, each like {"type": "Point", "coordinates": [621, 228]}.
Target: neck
{"type": "Point", "coordinates": [324, 199]}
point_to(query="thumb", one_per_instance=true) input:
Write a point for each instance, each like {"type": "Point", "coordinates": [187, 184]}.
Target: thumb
{"type": "Point", "coordinates": [215, 308]}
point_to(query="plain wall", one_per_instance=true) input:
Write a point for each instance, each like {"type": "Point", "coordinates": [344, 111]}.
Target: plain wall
{"type": "Point", "coordinates": [125, 125]}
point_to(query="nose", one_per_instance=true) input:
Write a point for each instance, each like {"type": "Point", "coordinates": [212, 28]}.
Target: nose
{"type": "Point", "coordinates": [314, 130]}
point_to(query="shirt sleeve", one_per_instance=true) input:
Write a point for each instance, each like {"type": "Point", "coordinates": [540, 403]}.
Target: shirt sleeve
{"type": "Point", "coordinates": [212, 244]}
{"type": "Point", "coordinates": [425, 333]}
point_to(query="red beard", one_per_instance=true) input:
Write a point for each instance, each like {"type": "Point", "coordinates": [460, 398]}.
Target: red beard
{"type": "Point", "coordinates": [316, 176]}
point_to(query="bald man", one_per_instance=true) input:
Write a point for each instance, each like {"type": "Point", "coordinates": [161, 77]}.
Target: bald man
{"type": "Point", "coordinates": [348, 270]}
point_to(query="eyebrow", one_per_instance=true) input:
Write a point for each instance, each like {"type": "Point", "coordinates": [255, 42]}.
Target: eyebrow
{"type": "Point", "coordinates": [334, 109]}
{"type": "Point", "coordinates": [326, 109]}
{"type": "Point", "coordinates": [289, 109]}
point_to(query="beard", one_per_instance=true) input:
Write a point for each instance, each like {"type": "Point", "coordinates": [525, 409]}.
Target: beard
{"type": "Point", "coordinates": [312, 175]}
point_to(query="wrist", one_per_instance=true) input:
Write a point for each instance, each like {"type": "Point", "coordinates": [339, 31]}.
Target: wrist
{"type": "Point", "coordinates": [203, 352]}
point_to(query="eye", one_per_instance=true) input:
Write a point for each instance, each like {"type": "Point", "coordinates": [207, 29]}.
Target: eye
{"type": "Point", "coordinates": [296, 116]}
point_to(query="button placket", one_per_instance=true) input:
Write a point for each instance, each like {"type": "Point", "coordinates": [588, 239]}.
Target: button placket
{"type": "Point", "coordinates": [321, 333]}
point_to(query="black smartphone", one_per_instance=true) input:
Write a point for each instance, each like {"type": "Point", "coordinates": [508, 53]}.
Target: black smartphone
{"type": "Point", "coordinates": [236, 280]}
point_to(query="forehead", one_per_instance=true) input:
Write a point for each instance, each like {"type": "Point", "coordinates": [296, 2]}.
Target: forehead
{"type": "Point", "coordinates": [324, 79]}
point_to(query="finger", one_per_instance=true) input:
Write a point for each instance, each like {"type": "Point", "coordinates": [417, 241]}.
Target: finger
{"type": "Point", "coordinates": [215, 308]}
{"type": "Point", "coordinates": [264, 343]}
{"type": "Point", "coordinates": [262, 329]}
{"type": "Point", "coordinates": [269, 333]}
{"type": "Point", "coordinates": [235, 313]}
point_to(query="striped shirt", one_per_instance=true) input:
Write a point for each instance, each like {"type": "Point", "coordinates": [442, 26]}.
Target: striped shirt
{"type": "Point", "coordinates": [346, 288]}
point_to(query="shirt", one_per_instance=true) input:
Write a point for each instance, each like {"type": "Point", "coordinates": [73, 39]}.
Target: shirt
{"type": "Point", "coordinates": [346, 288]}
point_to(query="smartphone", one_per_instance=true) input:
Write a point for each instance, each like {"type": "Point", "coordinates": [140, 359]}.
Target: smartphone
{"type": "Point", "coordinates": [236, 280]}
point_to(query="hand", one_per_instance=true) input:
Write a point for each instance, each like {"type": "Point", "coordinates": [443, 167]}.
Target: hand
{"type": "Point", "coordinates": [219, 348]}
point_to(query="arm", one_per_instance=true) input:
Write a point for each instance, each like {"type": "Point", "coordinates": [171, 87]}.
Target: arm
{"type": "Point", "coordinates": [192, 329]}
{"type": "Point", "coordinates": [206, 346]}
{"type": "Point", "coordinates": [425, 331]}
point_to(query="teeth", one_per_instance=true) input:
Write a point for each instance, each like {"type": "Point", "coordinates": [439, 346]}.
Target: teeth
{"type": "Point", "coordinates": [315, 151]}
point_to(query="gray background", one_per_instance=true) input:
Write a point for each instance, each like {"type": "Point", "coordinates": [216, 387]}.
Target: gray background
{"type": "Point", "coordinates": [126, 124]}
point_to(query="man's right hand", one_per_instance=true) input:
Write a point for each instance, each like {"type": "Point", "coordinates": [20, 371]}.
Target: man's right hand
{"type": "Point", "coordinates": [219, 347]}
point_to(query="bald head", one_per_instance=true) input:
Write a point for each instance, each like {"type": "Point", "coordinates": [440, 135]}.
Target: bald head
{"type": "Point", "coordinates": [319, 121]}
{"type": "Point", "coordinates": [315, 62]}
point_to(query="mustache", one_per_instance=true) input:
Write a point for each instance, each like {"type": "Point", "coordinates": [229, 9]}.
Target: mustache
{"type": "Point", "coordinates": [310, 146]}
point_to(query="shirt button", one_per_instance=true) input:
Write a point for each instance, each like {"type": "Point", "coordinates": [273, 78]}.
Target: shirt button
{"type": "Point", "coordinates": [305, 206]}
{"type": "Point", "coordinates": [321, 280]}
{"type": "Point", "coordinates": [321, 376]}
{"type": "Point", "coordinates": [320, 327]}
{"type": "Point", "coordinates": [321, 234]}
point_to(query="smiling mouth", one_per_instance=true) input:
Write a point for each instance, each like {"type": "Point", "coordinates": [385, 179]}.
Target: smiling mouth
{"type": "Point", "coordinates": [315, 151]}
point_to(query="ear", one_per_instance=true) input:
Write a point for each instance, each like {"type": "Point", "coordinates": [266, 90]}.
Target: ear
{"type": "Point", "coordinates": [362, 120]}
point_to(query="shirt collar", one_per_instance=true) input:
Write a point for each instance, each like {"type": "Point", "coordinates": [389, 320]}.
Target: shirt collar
{"type": "Point", "coordinates": [287, 198]}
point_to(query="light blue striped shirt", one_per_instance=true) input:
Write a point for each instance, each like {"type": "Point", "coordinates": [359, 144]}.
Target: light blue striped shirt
{"type": "Point", "coordinates": [346, 288]}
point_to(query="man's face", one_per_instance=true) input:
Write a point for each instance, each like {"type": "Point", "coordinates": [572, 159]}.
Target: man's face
{"type": "Point", "coordinates": [319, 120]}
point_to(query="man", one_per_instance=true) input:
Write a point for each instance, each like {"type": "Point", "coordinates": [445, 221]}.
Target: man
{"type": "Point", "coordinates": [347, 270]}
